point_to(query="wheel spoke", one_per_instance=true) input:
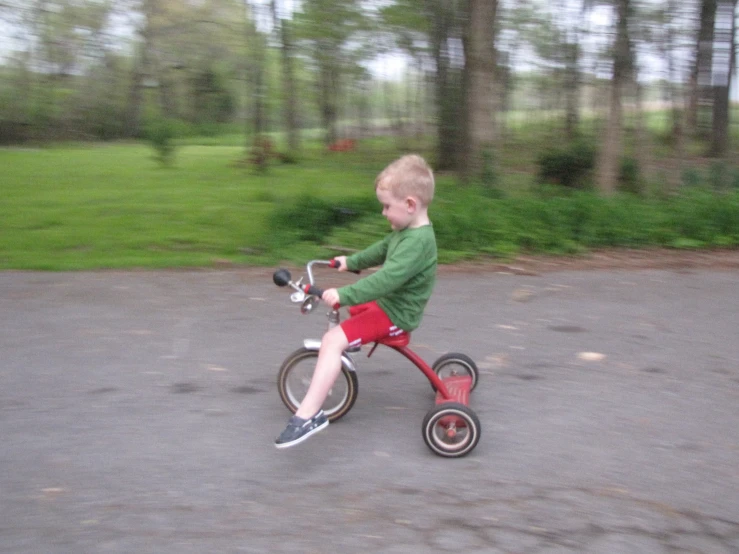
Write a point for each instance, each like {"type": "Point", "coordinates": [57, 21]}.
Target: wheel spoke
{"type": "Point", "coordinates": [294, 381]}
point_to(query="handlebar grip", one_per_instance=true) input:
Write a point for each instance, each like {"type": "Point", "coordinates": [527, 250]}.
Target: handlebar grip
{"type": "Point", "coordinates": [335, 264]}
{"type": "Point", "coordinates": [314, 290]}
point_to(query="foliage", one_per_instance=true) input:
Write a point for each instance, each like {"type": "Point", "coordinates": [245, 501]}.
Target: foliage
{"type": "Point", "coordinates": [567, 165]}
{"type": "Point", "coordinates": [488, 171]}
{"type": "Point", "coordinates": [74, 208]}
{"type": "Point", "coordinates": [212, 101]}
{"type": "Point", "coordinates": [311, 218]}
{"type": "Point", "coordinates": [161, 134]}
{"type": "Point", "coordinates": [262, 151]}
{"type": "Point", "coordinates": [629, 178]}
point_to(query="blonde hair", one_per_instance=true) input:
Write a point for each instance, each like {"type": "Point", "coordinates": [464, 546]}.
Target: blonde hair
{"type": "Point", "coordinates": [408, 176]}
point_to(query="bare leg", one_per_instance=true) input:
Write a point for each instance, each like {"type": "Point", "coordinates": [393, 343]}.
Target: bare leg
{"type": "Point", "coordinates": [327, 370]}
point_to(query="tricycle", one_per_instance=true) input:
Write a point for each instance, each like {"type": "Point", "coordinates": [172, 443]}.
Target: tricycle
{"type": "Point", "coordinates": [450, 429]}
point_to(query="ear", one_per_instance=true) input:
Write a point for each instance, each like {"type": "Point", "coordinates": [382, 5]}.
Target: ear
{"type": "Point", "coordinates": [411, 204]}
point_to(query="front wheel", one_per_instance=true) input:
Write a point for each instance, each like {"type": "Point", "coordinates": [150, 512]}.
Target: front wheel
{"type": "Point", "coordinates": [453, 364]}
{"type": "Point", "coordinates": [294, 379]}
{"type": "Point", "coordinates": [451, 430]}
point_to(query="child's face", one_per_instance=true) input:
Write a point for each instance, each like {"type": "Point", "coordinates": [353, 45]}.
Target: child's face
{"type": "Point", "coordinates": [398, 212]}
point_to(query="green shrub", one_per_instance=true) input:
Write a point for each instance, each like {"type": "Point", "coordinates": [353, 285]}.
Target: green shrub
{"type": "Point", "coordinates": [691, 177]}
{"type": "Point", "coordinates": [310, 218]}
{"type": "Point", "coordinates": [718, 176]}
{"type": "Point", "coordinates": [488, 172]}
{"type": "Point", "coordinates": [629, 178]}
{"type": "Point", "coordinates": [567, 166]}
{"type": "Point", "coordinates": [161, 134]}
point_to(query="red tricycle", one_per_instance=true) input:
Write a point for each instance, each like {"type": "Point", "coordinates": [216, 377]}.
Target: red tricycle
{"type": "Point", "coordinates": [450, 429]}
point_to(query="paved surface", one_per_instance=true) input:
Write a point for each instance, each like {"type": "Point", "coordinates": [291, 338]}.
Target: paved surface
{"type": "Point", "coordinates": [137, 413]}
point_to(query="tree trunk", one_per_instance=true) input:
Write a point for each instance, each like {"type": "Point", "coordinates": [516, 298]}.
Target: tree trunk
{"type": "Point", "coordinates": [642, 147]}
{"type": "Point", "coordinates": [610, 154]}
{"type": "Point", "coordinates": [672, 97]}
{"type": "Point", "coordinates": [723, 58]}
{"type": "Point", "coordinates": [421, 86]}
{"type": "Point", "coordinates": [672, 78]}
{"type": "Point", "coordinates": [289, 92]}
{"type": "Point", "coordinates": [256, 65]}
{"type": "Point", "coordinates": [447, 85]}
{"type": "Point", "coordinates": [480, 90]}
{"type": "Point", "coordinates": [611, 147]}
{"type": "Point", "coordinates": [572, 90]}
{"type": "Point", "coordinates": [167, 96]}
{"type": "Point", "coordinates": [290, 89]}
{"type": "Point", "coordinates": [258, 86]}
{"type": "Point", "coordinates": [328, 88]}
{"type": "Point", "coordinates": [701, 97]}
{"type": "Point", "coordinates": [142, 69]}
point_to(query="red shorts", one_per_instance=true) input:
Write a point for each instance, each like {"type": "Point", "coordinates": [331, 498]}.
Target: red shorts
{"type": "Point", "coordinates": [368, 323]}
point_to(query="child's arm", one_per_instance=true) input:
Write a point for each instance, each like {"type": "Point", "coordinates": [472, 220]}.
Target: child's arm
{"type": "Point", "coordinates": [372, 256]}
{"type": "Point", "coordinates": [405, 263]}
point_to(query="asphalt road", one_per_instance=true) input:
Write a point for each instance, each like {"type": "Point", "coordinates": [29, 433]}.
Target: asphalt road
{"type": "Point", "coordinates": [138, 410]}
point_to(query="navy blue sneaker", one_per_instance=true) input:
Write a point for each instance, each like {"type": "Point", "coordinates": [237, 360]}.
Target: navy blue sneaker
{"type": "Point", "coordinates": [299, 429]}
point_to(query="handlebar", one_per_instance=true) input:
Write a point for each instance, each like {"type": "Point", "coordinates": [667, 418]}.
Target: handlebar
{"type": "Point", "coordinates": [313, 290]}
{"type": "Point", "coordinates": [335, 264]}
{"type": "Point", "coordinates": [282, 278]}
{"type": "Point", "coordinates": [330, 263]}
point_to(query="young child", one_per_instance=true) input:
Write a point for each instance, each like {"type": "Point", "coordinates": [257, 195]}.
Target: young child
{"type": "Point", "coordinates": [386, 303]}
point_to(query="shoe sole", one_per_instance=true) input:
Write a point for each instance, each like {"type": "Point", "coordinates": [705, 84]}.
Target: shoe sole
{"type": "Point", "coordinates": [301, 439]}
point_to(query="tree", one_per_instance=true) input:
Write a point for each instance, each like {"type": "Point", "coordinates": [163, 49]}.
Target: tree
{"type": "Point", "coordinates": [555, 34]}
{"type": "Point", "coordinates": [700, 82]}
{"type": "Point", "coordinates": [142, 67]}
{"type": "Point", "coordinates": [284, 26]}
{"type": "Point", "coordinates": [623, 64]}
{"type": "Point", "coordinates": [446, 19]}
{"type": "Point", "coordinates": [724, 53]}
{"type": "Point", "coordinates": [666, 30]}
{"type": "Point", "coordinates": [480, 91]}
{"type": "Point", "coordinates": [332, 31]}
{"type": "Point", "coordinates": [175, 44]}
{"type": "Point", "coordinates": [58, 46]}
{"type": "Point", "coordinates": [256, 69]}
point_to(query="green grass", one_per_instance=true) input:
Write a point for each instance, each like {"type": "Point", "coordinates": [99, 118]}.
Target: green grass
{"type": "Point", "coordinates": [114, 206]}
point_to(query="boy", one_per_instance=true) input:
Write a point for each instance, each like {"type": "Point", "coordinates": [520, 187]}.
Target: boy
{"type": "Point", "coordinates": [388, 302]}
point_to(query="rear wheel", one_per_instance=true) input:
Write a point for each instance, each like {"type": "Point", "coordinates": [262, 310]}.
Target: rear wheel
{"type": "Point", "coordinates": [453, 364]}
{"type": "Point", "coordinates": [294, 379]}
{"type": "Point", "coordinates": [451, 430]}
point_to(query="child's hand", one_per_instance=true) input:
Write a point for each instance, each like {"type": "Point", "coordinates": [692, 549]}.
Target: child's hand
{"type": "Point", "coordinates": [330, 297]}
{"type": "Point", "coordinates": [342, 263]}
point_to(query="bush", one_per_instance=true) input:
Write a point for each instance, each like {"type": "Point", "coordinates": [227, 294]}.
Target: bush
{"type": "Point", "coordinates": [310, 218]}
{"type": "Point", "coordinates": [691, 177]}
{"type": "Point", "coordinates": [718, 176]}
{"type": "Point", "coordinates": [567, 166]}
{"type": "Point", "coordinates": [571, 223]}
{"type": "Point", "coordinates": [488, 172]}
{"type": "Point", "coordinates": [161, 134]}
{"type": "Point", "coordinates": [629, 178]}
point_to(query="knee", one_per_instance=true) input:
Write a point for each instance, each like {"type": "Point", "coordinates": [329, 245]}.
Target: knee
{"type": "Point", "coordinates": [334, 340]}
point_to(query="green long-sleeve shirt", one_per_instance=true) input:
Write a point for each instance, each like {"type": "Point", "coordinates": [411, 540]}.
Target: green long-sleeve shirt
{"type": "Point", "coordinates": [403, 285]}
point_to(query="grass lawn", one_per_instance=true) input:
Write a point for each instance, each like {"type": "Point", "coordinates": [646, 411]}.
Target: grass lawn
{"type": "Point", "coordinates": [113, 206]}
